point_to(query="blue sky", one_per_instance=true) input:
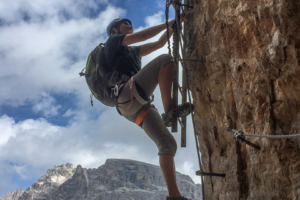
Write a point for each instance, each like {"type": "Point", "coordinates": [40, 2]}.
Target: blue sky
{"type": "Point", "coordinates": [45, 114]}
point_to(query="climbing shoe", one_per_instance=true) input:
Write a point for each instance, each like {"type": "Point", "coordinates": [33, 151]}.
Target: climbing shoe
{"type": "Point", "coordinates": [183, 110]}
{"type": "Point", "coordinates": [177, 198]}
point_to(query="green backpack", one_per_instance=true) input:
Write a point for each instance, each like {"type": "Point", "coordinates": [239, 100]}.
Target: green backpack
{"type": "Point", "coordinates": [101, 79]}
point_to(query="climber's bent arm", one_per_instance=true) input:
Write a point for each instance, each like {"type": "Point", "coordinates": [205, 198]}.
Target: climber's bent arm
{"type": "Point", "coordinates": [150, 47]}
{"type": "Point", "coordinates": [144, 34]}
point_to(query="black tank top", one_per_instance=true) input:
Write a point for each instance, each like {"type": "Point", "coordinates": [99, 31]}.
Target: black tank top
{"type": "Point", "coordinates": [125, 59]}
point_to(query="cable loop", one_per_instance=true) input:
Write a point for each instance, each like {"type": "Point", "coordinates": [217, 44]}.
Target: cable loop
{"type": "Point", "coordinates": [242, 134]}
{"type": "Point", "coordinates": [238, 134]}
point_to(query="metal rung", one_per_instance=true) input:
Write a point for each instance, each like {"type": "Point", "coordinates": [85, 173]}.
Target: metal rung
{"type": "Point", "coordinates": [183, 68]}
{"type": "Point", "coordinates": [187, 6]}
{"type": "Point", "coordinates": [196, 60]}
{"type": "Point", "coordinates": [180, 89]}
{"type": "Point", "coordinates": [182, 37]}
{"type": "Point", "coordinates": [180, 122]}
{"type": "Point", "coordinates": [199, 173]}
{"type": "Point", "coordinates": [241, 139]}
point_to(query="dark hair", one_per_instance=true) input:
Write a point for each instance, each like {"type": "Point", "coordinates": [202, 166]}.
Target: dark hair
{"type": "Point", "coordinates": [116, 26]}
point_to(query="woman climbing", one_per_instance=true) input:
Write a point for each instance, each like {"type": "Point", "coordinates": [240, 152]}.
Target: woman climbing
{"type": "Point", "coordinates": [132, 97]}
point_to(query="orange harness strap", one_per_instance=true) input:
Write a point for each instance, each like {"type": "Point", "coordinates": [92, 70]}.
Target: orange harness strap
{"type": "Point", "coordinates": [141, 116]}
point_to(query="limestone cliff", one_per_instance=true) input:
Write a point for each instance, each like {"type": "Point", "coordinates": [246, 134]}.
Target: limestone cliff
{"type": "Point", "coordinates": [251, 82]}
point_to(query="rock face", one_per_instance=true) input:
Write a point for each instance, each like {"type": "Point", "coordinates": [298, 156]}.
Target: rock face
{"type": "Point", "coordinates": [15, 195]}
{"type": "Point", "coordinates": [122, 180]}
{"type": "Point", "coordinates": [117, 179]}
{"type": "Point", "coordinates": [49, 183]}
{"type": "Point", "coordinates": [250, 82]}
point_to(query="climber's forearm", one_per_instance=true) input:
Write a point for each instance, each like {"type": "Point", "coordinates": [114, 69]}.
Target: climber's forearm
{"type": "Point", "coordinates": [163, 39]}
{"type": "Point", "coordinates": [153, 31]}
{"type": "Point", "coordinates": [150, 47]}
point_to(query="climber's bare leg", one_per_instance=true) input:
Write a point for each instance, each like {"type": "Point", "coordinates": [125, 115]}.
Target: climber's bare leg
{"type": "Point", "coordinates": [165, 78]}
{"type": "Point", "coordinates": [167, 167]}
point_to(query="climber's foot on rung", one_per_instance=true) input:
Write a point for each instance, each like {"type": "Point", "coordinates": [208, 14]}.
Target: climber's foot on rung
{"type": "Point", "coordinates": [183, 110]}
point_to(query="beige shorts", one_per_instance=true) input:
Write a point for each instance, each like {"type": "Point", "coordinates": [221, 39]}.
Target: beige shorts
{"type": "Point", "coordinates": [147, 80]}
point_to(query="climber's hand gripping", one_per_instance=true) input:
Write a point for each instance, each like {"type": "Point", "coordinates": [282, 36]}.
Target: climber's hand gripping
{"type": "Point", "coordinates": [182, 19]}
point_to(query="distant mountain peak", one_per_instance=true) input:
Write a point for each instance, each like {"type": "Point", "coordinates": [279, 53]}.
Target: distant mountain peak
{"type": "Point", "coordinates": [15, 195]}
{"type": "Point", "coordinates": [118, 179]}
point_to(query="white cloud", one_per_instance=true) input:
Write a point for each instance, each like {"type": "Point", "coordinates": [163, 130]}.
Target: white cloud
{"type": "Point", "coordinates": [154, 19]}
{"type": "Point", "coordinates": [69, 113]}
{"type": "Point", "coordinates": [46, 106]}
{"type": "Point", "coordinates": [48, 55]}
{"type": "Point", "coordinates": [21, 171]}
{"type": "Point", "coordinates": [6, 129]}
{"type": "Point", "coordinates": [38, 10]}
{"type": "Point", "coordinates": [161, 4]}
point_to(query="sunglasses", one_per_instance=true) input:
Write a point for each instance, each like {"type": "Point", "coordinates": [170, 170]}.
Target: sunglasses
{"type": "Point", "coordinates": [126, 22]}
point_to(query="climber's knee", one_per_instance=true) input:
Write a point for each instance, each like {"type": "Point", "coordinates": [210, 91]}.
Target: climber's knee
{"type": "Point", "coordinates": [167, 145]}
{"type": "Point", "coordinates": [165, 59]}
{"type": "Point", "coordinates": [159, 133]}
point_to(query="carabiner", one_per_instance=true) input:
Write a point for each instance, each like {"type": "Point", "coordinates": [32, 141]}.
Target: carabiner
{"type": "Point", "coordinates": [116, 90]}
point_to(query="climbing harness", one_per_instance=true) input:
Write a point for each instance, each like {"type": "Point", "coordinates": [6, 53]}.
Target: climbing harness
{"type": "Point", "coordinates": [141, 116]}
{"type": "Point", "coordinates": [184, 90]}
{"type": "Point", "coordinates": [116, 90]}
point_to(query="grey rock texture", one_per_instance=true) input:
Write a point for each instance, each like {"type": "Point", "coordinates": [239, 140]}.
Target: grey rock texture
{"type": "Point", "coordinates": [121, 179]}
{"type": "Point", "coordinates": [117, 179]}
{"type": "Point", "coordinates": [15, 195]}
{"type": "Point", "coordinates": [49, 183]}
{"type": "Point", "coordinates": [250, 82]}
